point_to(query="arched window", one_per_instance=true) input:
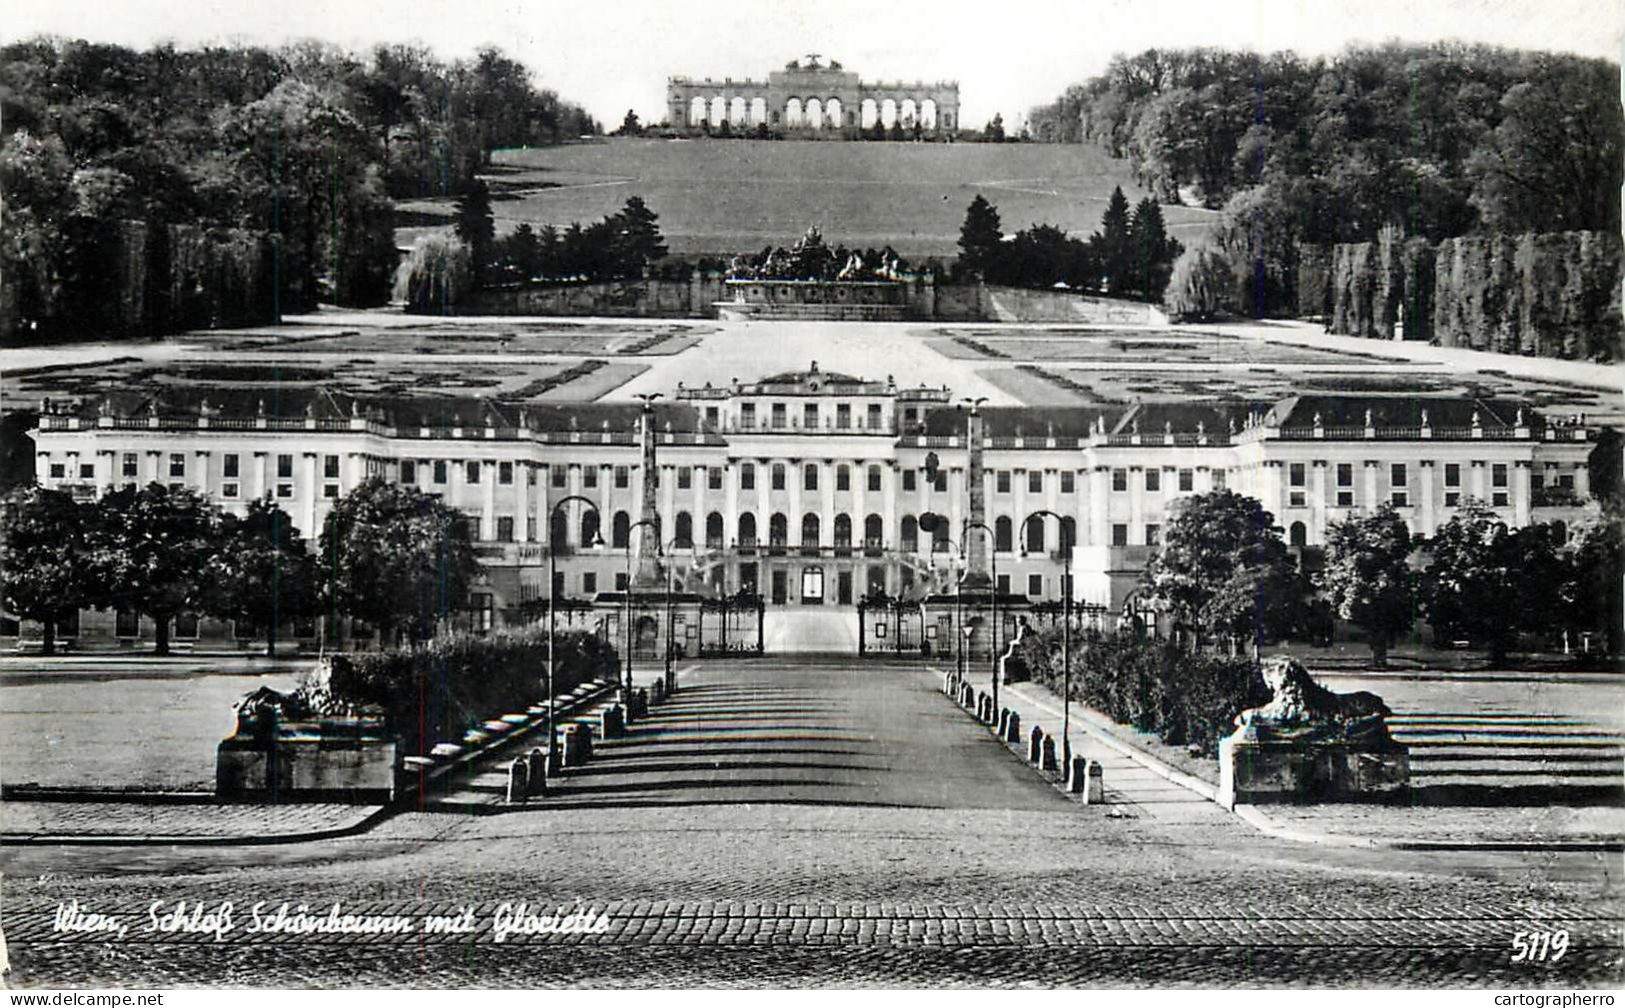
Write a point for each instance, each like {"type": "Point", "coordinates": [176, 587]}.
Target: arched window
{"type": "Point", "coordinates": [696, 112]}
{"type": "Point", "coordinates": [620, 530]}
{"type": "Point", "coordinates": [888, 112]}
{"type": "Point", "coordinates": [910, 537]}
{"type": "Point", "coordinates": [736, 111]}
{"type": "Point", "coordinates": [792, 112]}
{"type": "Point", "coordinates": [928, 114]}
{"type": "Point", "coordinates": [589, 529]}
{"type": "Point", "coordinates": [868, 113]}
{"type": "Point", "coordinates": [815, 113]}
{"type": "Point", "coordinates": [1297, 535]}
{"type": "Point", "coordinates": [719, 110]}
{"type": "Point", "coordinates": [778, 530]}
{"type": "Point", "coordinates": [906, 113]}
{"type": "Point", "coordinates": [758, 111]}
{"type": "Point", "coordinates": [843, 530]}
{"type": "Point", "coordinates": [1069, 532]}
{"type": "Point", "coordinates": [874, 530]}
{"type": "Point", "coordinates": [685, 529]}
{"type": "Point", "coordinates": [1001, 535]}
{"type": "Point", "coordinates": [832, 113]}
{"type": "Point", "coordinates": [1032, 537]}
{"type": "Point", "coordinates": [713, 530]}
{"type": "Point", "coordinates": [809, 529]}
{"type": "Point", "coordinates": [747, 529]}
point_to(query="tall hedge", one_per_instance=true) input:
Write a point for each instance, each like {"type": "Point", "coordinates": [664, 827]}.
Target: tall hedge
{"type": "Point", "coordinates": [1314, 281]}
{"type": "Point", "coordinates": [436, 693]}
{"type": "Point", "coordinates": [1548, 295]}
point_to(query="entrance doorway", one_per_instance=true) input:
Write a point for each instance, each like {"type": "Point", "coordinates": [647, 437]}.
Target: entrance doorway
{"type": "Point", "coordinates": [780, 587]}
{"type": "Point", "coordinates": [812, 586]}
{"type": "Point", "coordinates": [843, 588]}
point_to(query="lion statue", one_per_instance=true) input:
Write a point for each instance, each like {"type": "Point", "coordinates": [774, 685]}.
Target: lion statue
{"type": "Point", "coordinates": [1302, 710]}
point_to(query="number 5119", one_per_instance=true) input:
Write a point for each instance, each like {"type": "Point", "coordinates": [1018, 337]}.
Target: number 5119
{"type": "Point", "coordinates": [1539, 946]}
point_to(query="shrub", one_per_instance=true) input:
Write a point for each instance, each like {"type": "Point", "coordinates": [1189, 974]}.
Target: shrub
{"type": "Point", "coordinates": [436, 693]}
{"type": "Point", "coordinates": [1183, 698]}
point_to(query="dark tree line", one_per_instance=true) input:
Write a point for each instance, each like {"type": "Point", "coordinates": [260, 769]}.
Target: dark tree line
{"type": "Point", "coordinates": [1437, 141]}
{"type": "Point", "coordinates": [306, 144]}
{"type": "Point", "coordinates": [1130, 256]}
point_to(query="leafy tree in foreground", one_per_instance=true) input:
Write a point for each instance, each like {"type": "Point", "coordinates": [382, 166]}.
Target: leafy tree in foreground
{"type": "Point", "coordinates": [43, 552]}
{"type": "Point", "coordinates": [1223, 569]}
{"type": "Point", "coordinates": [1473, 586]}
{"type": "Point", "coordinates": [397, 558]}
{"type": "Point", "coordinates": [150, 550]}
{"type": "Point", "coordinates": [1202, 285]}
{"type": "Point", "coordinates": [979, 236]}
{"type": "Point", "coordinates": [263, 571]}
{"type": "Point", "coordinates": [436, 275]}
{"type": "Point", "coordinates": [1367, 579]}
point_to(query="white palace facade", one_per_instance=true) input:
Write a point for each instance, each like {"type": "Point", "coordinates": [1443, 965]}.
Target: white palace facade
{"type": "Point", "coordinates": [808, 487]}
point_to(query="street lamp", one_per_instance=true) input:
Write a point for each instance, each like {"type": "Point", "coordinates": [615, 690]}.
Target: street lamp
{"type": "Point", "coordinates": [1066, 628]}
{"type": "Point", "coordinates": [993, 597]}
{"type": "Point", "coordinates": [654, 523]}
{"type": "Point", "coordinates": [553, 609]}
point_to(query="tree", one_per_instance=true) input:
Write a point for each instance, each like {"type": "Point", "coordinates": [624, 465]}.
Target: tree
{"type": "Point", "coordinates": [1202, 285]}
{"type": "Point", "coordinates": [994, 133]}
{"type": "Point", "coordinates": [1474, 587]}
{"type": "Point", "coordinates": [44, 546]}
{"type": "Point", "coordinates": [263, 571]}
{"type": "Point", "coordinates": [396, 558]}
{"type": "Point", "coordinates": [1595, 593]}
{"type": "Point", "coordinates": [435, 275]}
{"type": "Point", "coordinates": [150, 550]}
{"type": "Point", "coordinates": [474, 227]}
{"type": "Point", "coordinates": [1367, 578]}
{"type": "Point", "coordinates": [1151, 252]}
{"type": "Point", "coordinates": [630, 125]}
{"type": "Point", "coordinates": [979, 236]}
{"type": "Point", "coordinates": [1222, 568]}
{"type": "Point", "coordinates": [1112, 248]}
{"type": "Point", "coordinates": [637, 243]}
{"type": "Point", "coordinates": [522, 252]}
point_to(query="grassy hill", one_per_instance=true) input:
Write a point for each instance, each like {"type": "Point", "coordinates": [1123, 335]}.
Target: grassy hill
{"type": "Point", "coordinates": [719, 197]}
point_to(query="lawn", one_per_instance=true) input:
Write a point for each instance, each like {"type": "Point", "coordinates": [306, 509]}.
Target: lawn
{"type": "Point", "coordinates": [720, 197]}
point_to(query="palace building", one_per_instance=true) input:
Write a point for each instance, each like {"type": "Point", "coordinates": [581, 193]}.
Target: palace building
{"type": "Point", "coordinates": [808, 487]}
{"type": "Point", "coordinates": [813, 99]}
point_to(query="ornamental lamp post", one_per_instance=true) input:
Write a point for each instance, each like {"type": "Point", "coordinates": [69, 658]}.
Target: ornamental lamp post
{"type": "Point", "coordinates": [1066, 626]}
{"type": "Point", "coordinates": [553, 608]}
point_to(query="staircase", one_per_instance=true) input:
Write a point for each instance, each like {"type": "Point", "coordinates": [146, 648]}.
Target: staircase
{"type": "Point", "coordinates": [1546, 758]}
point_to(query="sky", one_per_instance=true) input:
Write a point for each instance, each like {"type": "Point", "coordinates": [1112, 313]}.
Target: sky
{"type": "Point", "coordinates": [1008, 55]}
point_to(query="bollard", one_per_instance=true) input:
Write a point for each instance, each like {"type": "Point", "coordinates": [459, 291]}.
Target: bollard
{"type": "Point", "coordinates": [1004, 722]}
{"type": "Point", "coordinates": [1048, 754]}
{"type": "Point", "coordinates": [1035, 743]}
{"type": "Point", "coordinates": [538, 771]}
{"type": "Point", "coordinates": [657, 692]}
{"type": "Point", "coordinates": [586, 742]}
{"type": "Point", "coordinates": [577, 745]}
{"type": "Point", "coordinates": [1077, 772]}
{"type": "Point", "coordinates": [610, 723]}
{"type": "Point", "coordinates": [518, 780]}
{"type": "Point", "coordinates": [1094, 789]}
{"type": "Point", "coordinates": [643, 703]}
{"type": "Point", "coordinates": [1012, 733]}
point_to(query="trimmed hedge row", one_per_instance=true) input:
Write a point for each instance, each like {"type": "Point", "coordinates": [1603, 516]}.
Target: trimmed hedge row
{"type": "Point", "coordinates": [438, 692]}
{"type": "Point", "coordinates": [1183, 698]}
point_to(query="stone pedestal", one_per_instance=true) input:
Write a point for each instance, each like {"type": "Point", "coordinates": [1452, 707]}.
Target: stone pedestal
{"type": "Point", "coordinates": [1251, 772]}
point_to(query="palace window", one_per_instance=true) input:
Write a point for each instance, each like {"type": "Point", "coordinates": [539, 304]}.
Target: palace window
{"type": "Point", "coordinates": [1400, 498]}
{"type": "Point", "coordinates": [284, 490]}
{"type": "Point", "coordinates": [1003, 535]}
{"type": "Point", "coordinates": [1187, 480]}
{"type": "Point", "coordinates": [130, 465]}
{"type": "Point", "coordinates": [778, 475]}
{"type": "Point", "coordinates": [1119, 535]}
{"type": "Point", "coordinates": [1153, 534]}
{"type": "Point", "coordinates": [1035, 481]}
{"type": "Point", "coordinates": [1119, 481]}
{"type": "Point", "coordinates": [809, 476]}
{"type": "Point", "coordinates": [1345, 474]}
{"type": "Point", "coordinates": [1498, 475]}
{"type": "Point", "coordinates": [1452, 474]}
{"type": "Point", "coordinates": [228, 489]}
{"type": "Point", "coordinates": [940, 484]}
{"type": "Point", "coordinates": [472, 472]}
{"type": "Point", "coordinates": [1153, 480]}
{"type": "Point", "coordinates": [330, 467]}
{"type": "Point", "coordinates": [1001, 481]}
{"type": "Point", "coordinates": [177, 464]}
{"type": "Point", "coordinates": [284, 467]}
{"type": "Point", "coordinates": [505, 473]}
{"type": "Point", "coordinates": [59, 470]}
{"type": "Point", "coordinates": [874, 416]}
{"type": "Point", "coordinates": [409, 471]}
{"type": "Point", "coordinates": [713, 478]}
{"type": "Point", "coordinates": [1452, 499]}
{"type": "Point", "coordinates": [1035, 584]}
{"type": "Point", "coordinates": [620, 581]}
{"type": "Point", "coordinates": [589, 583]}
{"type": "Point", "coordinates": [440, 471]}
{"type": "Point", "coordinates": [1069, 480]}
{"type": "Point", "coordinates": [809, 416]}
{"type": "Point", "coordinates": [1396, 474]}
{"type": "Point", "coordinates": [843, 477]}
{"type": "Point", "coordinates": [1295, 474]}
{"type": "Point", "coordinates": [505, 529]}
{"type": "Point", "coordinates": [1220, 477]}
{"type": "Point", "coordinates": [1498, 499]}
{"type": "Point", "coordinates": [561, 477]}
{"type": "Point", "coordinates": [908, 481]}
{"type": "Point", "coordinates": [589, 476]}
{"type": "Point", "coordinates": [747, 415]}
{"type": "Point", "coordinates": [843, 415]}
{"type": "Point", "coordinates": [778, 415]}
{"type": "Point", "coordinates": [747, 476]}
{"type": "Point", "coordinates": [874, 479]}
{"type": "Point", "coordinates": [685, 478]}
{"type": "Point", "coordinates": [87, 471]}
{"type": "Point", "coordinates": [228, 465]}
{"type": "Point", "coordinates": [331, 491]}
